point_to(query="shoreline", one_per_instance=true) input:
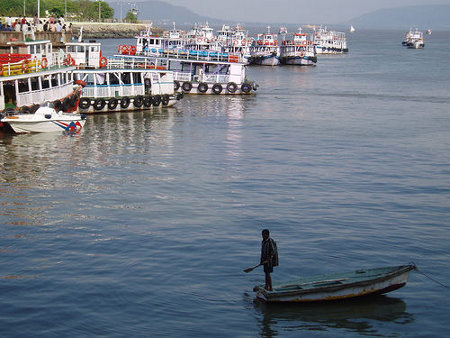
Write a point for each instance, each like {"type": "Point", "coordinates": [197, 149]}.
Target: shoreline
{"type": "Point", "coordinates": [105, 30]}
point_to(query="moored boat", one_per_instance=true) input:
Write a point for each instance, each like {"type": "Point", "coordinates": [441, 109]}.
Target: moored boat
{"type": "Point", "coordinates": [358, 283]}
{"type": "Point", "coordinates": [265, 50]}
{"type": "Point", "coordinates": [329, 41]}
{"type": "Point", "coordinates": [298, 51]}
{"type": "Point", "coordinates": [37, 93]}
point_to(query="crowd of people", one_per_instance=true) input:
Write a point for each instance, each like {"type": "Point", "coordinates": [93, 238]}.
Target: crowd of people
{"type": "Point", "coordinates": [36, 24]}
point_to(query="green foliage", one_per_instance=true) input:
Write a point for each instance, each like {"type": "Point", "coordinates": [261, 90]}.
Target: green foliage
{"type": "Point", "coordinates": [80, 9]}
{"type": "Point", "coordinates": [130, 17]}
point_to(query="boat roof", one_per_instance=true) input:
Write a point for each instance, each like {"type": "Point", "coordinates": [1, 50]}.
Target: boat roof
{"type": "Point", "coordinates": [28, 43]}
{"type": "Point", "coordinates": [48, 71]}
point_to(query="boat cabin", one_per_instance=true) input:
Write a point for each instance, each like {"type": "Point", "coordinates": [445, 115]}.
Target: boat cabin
{"type": "Point", "coordinates": [26, 89]}
{"type": "Point", "coordinates": [38, 49]}
{"type": "Point", "coordinates": [85, 54]}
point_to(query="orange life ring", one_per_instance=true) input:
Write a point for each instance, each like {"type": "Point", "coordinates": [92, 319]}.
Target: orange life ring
{"type": "Point", "coordinates": [25, 66]}
{"type": "Point", "coordinates": [44, 63]}
{"type": "Point", "coordinates": [120, 48]}
{"type": "Point", "coordinates": [133, 50]}
{"type": "Point", "coordinates": [125, 49]}
{"type": "Point", "coordinates": [103, 62]}
{"type": "Point", "coordinates": [243, 43]}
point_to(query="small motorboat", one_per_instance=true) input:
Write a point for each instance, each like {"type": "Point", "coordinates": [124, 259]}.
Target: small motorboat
{"type": "Point", "coordinates": [358, 283]}
{"type": "Point", "coordinates": [45, 119]}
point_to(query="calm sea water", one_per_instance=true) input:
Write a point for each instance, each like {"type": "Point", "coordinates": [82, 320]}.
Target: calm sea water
{"type": "Point", "coordinates": [142, 224]}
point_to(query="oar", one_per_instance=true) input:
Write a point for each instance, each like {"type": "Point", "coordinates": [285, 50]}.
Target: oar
{"type": "Point", "coordinates": [254, 267]}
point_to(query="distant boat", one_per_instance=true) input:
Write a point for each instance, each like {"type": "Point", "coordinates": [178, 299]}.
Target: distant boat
{"type": "Point", "coordinates": [352, 29]}
{"type": "Point", "coordinates": [429, 31]}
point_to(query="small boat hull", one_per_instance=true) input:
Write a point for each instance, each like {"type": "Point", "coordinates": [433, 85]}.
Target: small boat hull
{"type": "Point", "coordinates": [359, 283]}
{"type": "Point", "coordinates": [45, 120]}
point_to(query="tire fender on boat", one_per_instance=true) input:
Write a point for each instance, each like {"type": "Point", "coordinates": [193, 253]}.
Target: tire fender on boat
{"type": "Point", "coordinates": [217, 88]}
{"type": "Point", "coordinates": [147, 101]}
{"type": "Point", "coordinates": [187, 86]}
{"type": "Point", "coordinates": [165, 100]}
{"type": "Point", "coordinates": [125, 102]}
{"type": "Point", "coordinates": [176, 85]}
{"type": "Point", "coordinates": [84, 103]}
{"type": "Point", "coordinates": [232, 87]}
{"type": "Point", "coordinates": [138, 101]}
{"type": "Point", "coordinates": [112, 103]}
{"type": "Point", "coordinates": [99, 104]}
{"type": "Point", "coordinates": [246, 88]}
{"type": "Point", "coordinates": [202, 87]}
{"type": "Point", "coordinates": [156, 100]}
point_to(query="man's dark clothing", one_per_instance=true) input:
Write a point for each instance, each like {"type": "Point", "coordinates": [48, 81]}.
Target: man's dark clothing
{"type": "Point", "coordinates": [269, 254]}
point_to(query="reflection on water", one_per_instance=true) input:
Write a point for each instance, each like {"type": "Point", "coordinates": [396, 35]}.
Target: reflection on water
{"type": "Point", "coordinates": [351, 316]}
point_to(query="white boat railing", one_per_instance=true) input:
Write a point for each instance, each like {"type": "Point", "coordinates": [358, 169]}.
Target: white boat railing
{"type": "Point", "coordinates": [48, 94]}
{"type": "Point", "coordinates": [114, 90]}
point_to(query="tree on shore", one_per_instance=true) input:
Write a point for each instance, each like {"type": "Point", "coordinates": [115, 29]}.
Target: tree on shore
{"type": "Point", "coordinates": [131, 17]}
{"type": "Point", "coordinates": [76, 9]}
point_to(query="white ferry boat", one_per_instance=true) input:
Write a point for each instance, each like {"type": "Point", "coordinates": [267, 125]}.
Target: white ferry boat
{"type": "Point", "coordinates": [329, 42]}
{"type": "Point", "coordinates": [298, 51]}
{"type": "Point", "coordinates": [123, 84]}
{"type": "Point", "coordinates": [196, 71]}
{"type": "Point", "coordinates": [414, 39]}
{"type": "Point", "coordinates": [266, 50]}
{"type": "Point", "coordinates": [235, 41]}
{"type": "Point", "coordinates": [36, 95]}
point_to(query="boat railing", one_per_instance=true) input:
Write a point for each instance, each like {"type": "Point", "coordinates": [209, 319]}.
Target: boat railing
{"type": "Point", "coordinates": [42, 95]}
{"type": "Point", "coordinates": [113, 90]}
{"type": "Point", "coordinates": [182, 77]}
{"type": "Point", "coordinates": [198, 55]}
{"type": "Point", "coordinates": [135, 63]}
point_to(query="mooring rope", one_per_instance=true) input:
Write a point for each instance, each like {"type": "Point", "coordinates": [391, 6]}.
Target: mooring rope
{"type": "Point", "coordinates": [430, 278]}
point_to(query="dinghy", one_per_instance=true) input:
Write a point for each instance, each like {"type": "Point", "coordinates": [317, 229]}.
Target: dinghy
{"type": "Point", "coordinates": [359, 283]}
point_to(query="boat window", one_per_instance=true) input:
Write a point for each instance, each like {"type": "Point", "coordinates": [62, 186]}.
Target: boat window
{"type": "Point", "coordinates": [113, 79]}
{"type": "Point", "coordinates": [126, 78]}
{"type": "Point", "coordinates": [89, 79]}
{"type": "Point", "coordinates": [137, 78]}
{"type": "Point", "coordinates": [34, 83]}
{"type": "Point", "coordinates": [23, 86]}
{"type": "Point", "coordinates": [46, 83]}
{"type": "Point", "coordinates": [54, 80]}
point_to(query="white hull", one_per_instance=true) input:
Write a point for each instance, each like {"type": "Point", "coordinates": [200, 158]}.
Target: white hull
{"type": "Point", "coordinates": [298, 61]}
{"type": "Point", "coordinates": [45, 120]}
{"type": "Point", "coordinates": [271, 60]}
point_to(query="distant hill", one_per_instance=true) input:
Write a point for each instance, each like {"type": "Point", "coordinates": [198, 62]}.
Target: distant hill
{"type": "Point", "coordinates": [422, 17]}
{"type": "Point", "coordinates": [161, 13]}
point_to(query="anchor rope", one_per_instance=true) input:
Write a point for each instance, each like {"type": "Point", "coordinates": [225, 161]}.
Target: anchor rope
{"type": "Point", "coordinates": [430, 278]}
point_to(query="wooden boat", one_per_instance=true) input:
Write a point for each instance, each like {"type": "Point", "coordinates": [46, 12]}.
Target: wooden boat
{"type": "Point", "coordinates": [359, 283]}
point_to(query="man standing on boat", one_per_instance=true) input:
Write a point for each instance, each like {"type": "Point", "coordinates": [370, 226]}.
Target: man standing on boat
{"type": "Point", "coordinates": [269, 257]}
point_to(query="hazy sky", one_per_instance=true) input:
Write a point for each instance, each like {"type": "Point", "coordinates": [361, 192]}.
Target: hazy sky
{"type": "Point", "coordinates": [293, 11]}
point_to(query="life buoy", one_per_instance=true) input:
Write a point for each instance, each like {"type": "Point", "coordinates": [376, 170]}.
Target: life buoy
{"type": "Point", "coordinates": [112, 103]}
{"type": "Point", "coordinates": [176, 85]}
{"type": "Point", "coordinates": [125, 49]}
{"type": "Point", "coordinates": [243, 43]}
{"type": "Point", "coordinates": [202, 87]}
{"type": "Point", "coordinates": [103, 62]}
{"type": "Point", "coordinates": [133, 50]}
{"type": "Point", "coordinates": [165, 100]}
{"type": "Point", "coordinates": [232, 87]}
{"type": "Point", "coordinates": [120, 49]}
{"type": "Point", "coordinates": [44, 63]}
{"type": "Point", "coordinates": [84, 103]}
{"type": "Point", "coordinates": [157, 100]}
{"type": "Point", "coordinates": [125, 102]}
{"type": "Point", "coordinates": [217, 88]}
{"type": "Point", "coordinates": [99, 104]}
{"type": "Point", "coordinates": [147, 101]}
{"type": "Point", "coordinates": [80, 83]}
{"type": "Point", "coordinates": [138, 101]}
{"type": "Point", "coordinates": [187, 86]}
{"type": "Point", "coordinates": [25, 66]}
{"type": "Point", "coordinates": [246, 88]}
